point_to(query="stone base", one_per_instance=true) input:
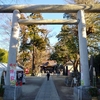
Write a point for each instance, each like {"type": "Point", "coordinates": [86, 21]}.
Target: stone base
{"type": "Point", "coordinates": [12, 92]}
{"type": "Point", "coordinates": [81, 93]}
{"type": "Point", "coordinates": [1, 98]}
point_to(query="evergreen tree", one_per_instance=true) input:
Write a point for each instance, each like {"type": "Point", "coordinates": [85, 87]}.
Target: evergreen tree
{"type": "Point", "coordinates": [33, 43]}
{"type": "Point", "coordinates": [68, 37]}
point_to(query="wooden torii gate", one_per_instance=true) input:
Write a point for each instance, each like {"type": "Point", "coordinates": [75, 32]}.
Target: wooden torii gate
{"type": "Point", "coordinates": [70, 8]}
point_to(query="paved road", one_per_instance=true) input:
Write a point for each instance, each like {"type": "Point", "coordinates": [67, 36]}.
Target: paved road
{"type": "Point", "coordinates": [47, 91]}
{"type": "Point", "coordinates": [31, 88]}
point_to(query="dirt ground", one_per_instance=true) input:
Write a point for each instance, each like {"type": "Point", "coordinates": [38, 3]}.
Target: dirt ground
{"type": "Point", "coordinates": [31, 88]}
{"type": "Point", "coordinates": [64, 92]}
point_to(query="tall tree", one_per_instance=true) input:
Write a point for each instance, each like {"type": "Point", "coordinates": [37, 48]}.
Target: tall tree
{"type": "Point", "coordinates": [67, 47]}
{"type": "Point", "coordinates": [68, 37]}
{"type": "Point", "coordinates": [92, 25]}
{"type": "Point", "coordinates": [34, 42]}
{"type": "Point", "coordinates": [23, 48]}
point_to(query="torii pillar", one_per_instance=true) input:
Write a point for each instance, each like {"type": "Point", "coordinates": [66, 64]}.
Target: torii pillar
{"type": "Point", "coordinates": [85, 79]}
{"type": "Point", "coordinates": [9, 93]}
{"type": "Point", "coordinates": [13, 44]}
{"type": "Point", "coordinates": [80, 93]}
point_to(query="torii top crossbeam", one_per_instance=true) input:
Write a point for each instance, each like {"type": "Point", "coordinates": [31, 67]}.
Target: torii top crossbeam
{"type": "Point", "coordinates": [70, 8]}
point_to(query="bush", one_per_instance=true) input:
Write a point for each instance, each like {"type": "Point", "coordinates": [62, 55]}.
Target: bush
{"type": "Point", "coordinates": [93, 91]}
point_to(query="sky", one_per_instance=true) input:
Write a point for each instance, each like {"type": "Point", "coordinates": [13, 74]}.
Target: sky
{"type": "Point", "coordinates": [55, 28]}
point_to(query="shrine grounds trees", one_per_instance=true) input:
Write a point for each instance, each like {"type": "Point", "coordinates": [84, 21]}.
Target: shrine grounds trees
{"type": "Point", "coordinates": [67, 48]}
{"type": "Point", "coordinates": [92, 23]}
{"type": "Point", "coordinates": [34, 42]}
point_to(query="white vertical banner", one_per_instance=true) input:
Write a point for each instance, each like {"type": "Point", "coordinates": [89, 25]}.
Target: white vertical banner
{"type": "Point", "coordinates": [12, 74]}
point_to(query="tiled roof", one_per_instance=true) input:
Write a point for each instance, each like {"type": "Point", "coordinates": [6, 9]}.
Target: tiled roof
{"type": "Point", "coordinates": [49, 63]}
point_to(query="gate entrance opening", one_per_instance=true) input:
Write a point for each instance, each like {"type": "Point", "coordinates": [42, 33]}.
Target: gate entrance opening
{"type": "Point", "coordinates": [79, 9]}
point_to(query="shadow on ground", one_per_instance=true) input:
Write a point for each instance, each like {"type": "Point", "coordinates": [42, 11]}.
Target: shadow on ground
{"type": "Point", "coordinates": [64, 92]}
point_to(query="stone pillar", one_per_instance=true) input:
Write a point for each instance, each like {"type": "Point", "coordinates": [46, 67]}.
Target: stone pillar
{"type": "Point", "coordinates": [85, 79]}
{"type": "Point", "coordinates": [13, 44]}
{"type": "Point", "coordinates": [12, 92]}
{"type": "Point", "coordinates": [81, 92]}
